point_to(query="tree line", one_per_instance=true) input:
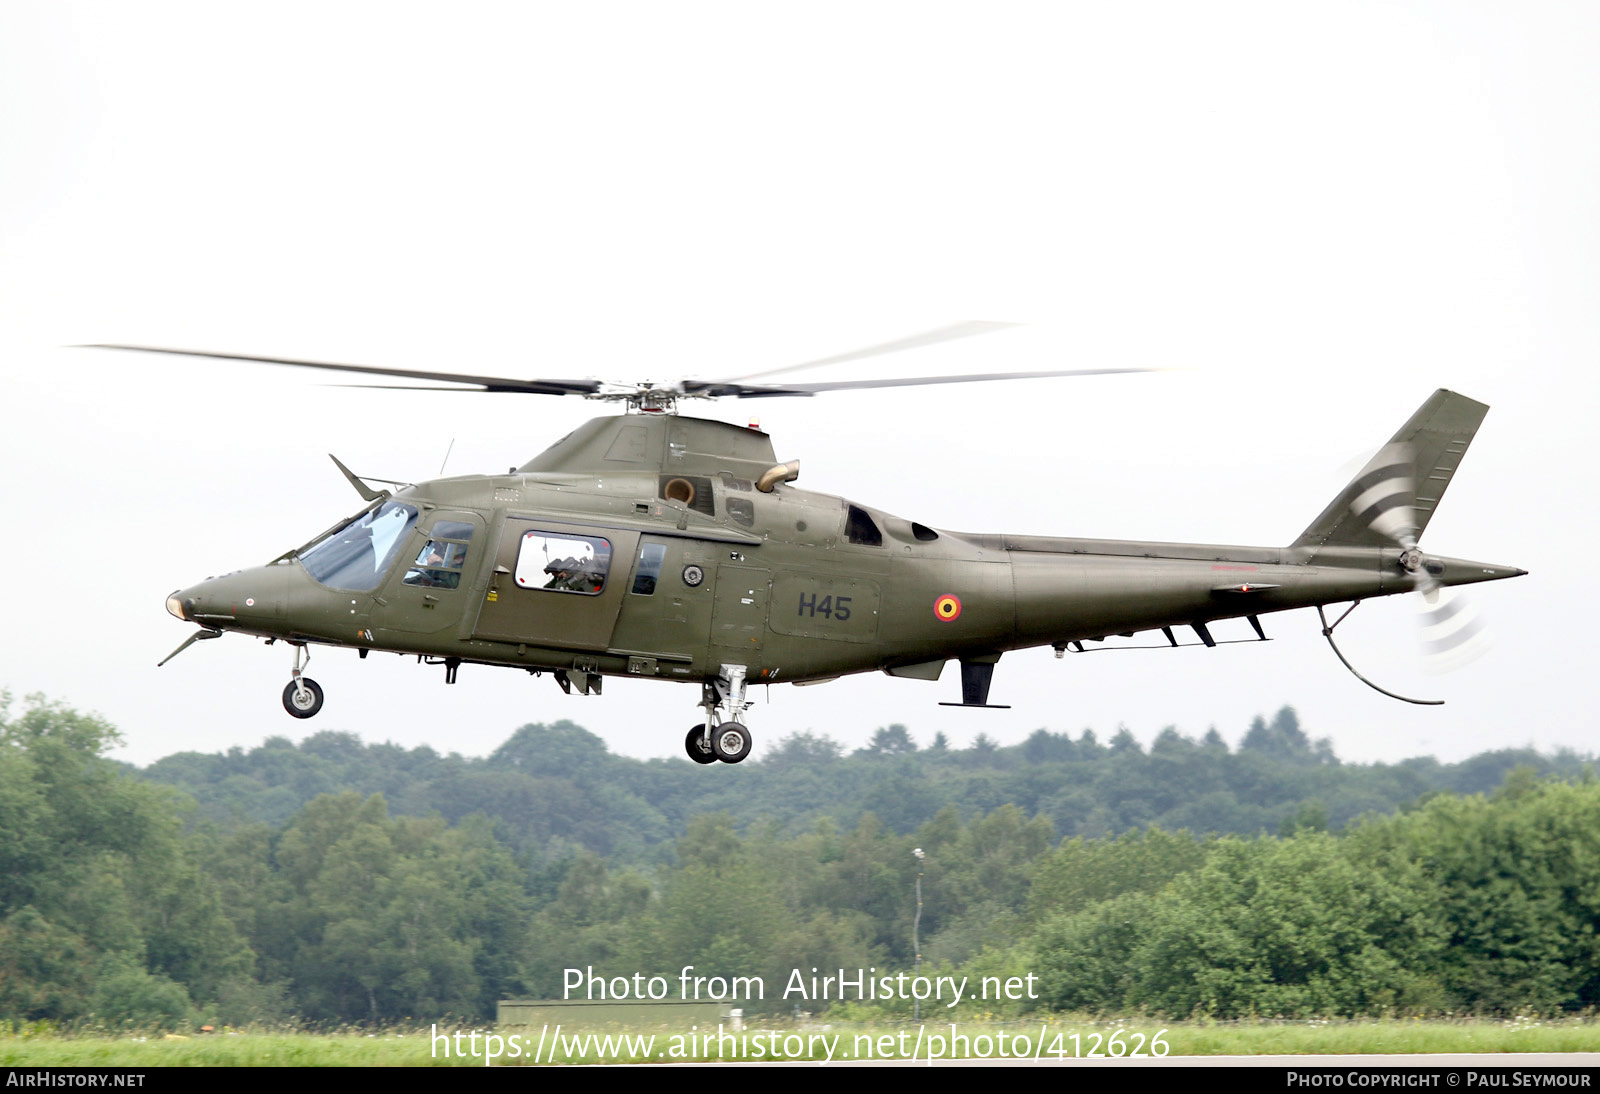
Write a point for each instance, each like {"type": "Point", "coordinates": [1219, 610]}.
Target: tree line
{"type": "Point", "coordinates": [552, 791]}
{"type": "Point", "coordinates": [123, 900]}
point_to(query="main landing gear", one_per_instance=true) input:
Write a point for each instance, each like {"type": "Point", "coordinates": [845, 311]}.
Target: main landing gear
{"type": "Point", "coordinates": [303, 697]}
{"type": "Point", "coordinates": [729, 741]}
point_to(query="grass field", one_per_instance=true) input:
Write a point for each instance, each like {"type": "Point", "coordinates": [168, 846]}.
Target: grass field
{"type": "Point", "coordinates": [417, 1048]}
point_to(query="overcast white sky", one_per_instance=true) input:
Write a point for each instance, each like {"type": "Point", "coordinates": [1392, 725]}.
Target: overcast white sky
{"type": "Point", "coordinates": [1321, 213]}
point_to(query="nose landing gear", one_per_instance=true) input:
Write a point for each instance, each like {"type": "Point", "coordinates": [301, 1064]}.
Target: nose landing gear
{"type": "Point", "coordinates": [729, 741]}
{"type": "Point", "coordinates": [303, 696]}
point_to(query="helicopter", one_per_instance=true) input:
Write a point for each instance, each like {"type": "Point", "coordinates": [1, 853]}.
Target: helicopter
{"type": "Point", "coordinates": [657, 545]}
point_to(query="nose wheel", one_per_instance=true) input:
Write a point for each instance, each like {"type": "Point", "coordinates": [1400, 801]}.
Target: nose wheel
{"type": "Point", "coordinates": [303, 696]}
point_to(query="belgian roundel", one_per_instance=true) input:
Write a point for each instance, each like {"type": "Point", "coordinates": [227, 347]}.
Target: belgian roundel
{"type": "Point", "coordinates": [947, 608]}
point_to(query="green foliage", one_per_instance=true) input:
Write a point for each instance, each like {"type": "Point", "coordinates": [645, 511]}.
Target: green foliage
{"type": "Point", "coordinates": [992, 859]}
{"type": "Point", "coordinates": [243, 1001]}
{"type": "Point", "coordinates": [556, 750]}
{"type": "Point", "coordinates": [1289, 928]}
{"type": "Point", "coordinates": [1517, 880]}
{"type": "Point", "coordinates": [554, 790]}
{"type": "Point", "coordinates": [45, 971]}
{"type": "Point", "coordinates": [99, 892]}
{"type": "Point", "coordinates": [1312, 816]}
{"type": "Point", "coordinates": [889, 741]}
{"type": "Point", "coordinates": [378, 917]}
{"type": "Point", "coordinates": [122, 902]}
{"type": "Point", "coordinates": [128, 996]}
{"type": "Point", "coordinates": [1470, 904]}
{"type": "Point", "coordinates": [1083, 872]}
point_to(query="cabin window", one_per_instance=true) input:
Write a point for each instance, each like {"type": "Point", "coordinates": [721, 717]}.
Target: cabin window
{"type": "Point", "coordinates": [860, 528]}
{"type": "Point", "coordinates": [651, 556]}
{"type": "Point", "coordinates": [358, 555]}
{"type": "Point", "coordinates": [440, 562]}
{"type": "Point", "coordinates": [563, 562]}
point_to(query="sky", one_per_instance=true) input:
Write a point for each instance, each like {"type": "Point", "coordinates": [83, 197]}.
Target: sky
{"type": "Point", "coordinates": [1312, 215]}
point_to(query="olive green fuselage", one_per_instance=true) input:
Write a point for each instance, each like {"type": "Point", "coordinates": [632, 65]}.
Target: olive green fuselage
{"type": "Point", "coordinates": [793, 585]}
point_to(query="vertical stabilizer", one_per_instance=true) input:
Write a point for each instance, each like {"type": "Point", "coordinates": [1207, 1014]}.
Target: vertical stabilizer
{"type": "Point", "coordinates": [1433, 443]}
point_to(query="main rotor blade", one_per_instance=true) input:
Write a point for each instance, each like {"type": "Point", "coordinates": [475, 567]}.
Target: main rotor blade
{"type": "Point", "coordinates": [765, 391]}
{"type": "Point", "coordinates": [486, 383]}
{"type": "Point", "coordinates": [926, 338]}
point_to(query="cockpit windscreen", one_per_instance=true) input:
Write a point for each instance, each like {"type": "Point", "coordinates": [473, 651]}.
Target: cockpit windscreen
{"type": "Point", "coordinates": [358, 555]}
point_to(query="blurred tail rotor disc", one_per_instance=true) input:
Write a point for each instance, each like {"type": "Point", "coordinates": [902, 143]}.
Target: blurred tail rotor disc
{"type": "Point", "coordinates": [1453, 635]}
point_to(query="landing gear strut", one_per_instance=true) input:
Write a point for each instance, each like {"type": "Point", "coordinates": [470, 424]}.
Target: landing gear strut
{"type": "Point", "coordinates": [729, 741]}
{"type": "Point", "coordinates": [303, 697]}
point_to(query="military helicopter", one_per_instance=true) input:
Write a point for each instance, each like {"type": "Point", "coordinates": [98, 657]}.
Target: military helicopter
{"type": "Point", "coordinates": [657, 545]}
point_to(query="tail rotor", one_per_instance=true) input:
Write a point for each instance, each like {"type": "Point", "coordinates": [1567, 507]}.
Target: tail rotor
{"type": "Point", "coordinates": [1453, 635]}
{"type": "Point", "coordinates": [1386, 501]}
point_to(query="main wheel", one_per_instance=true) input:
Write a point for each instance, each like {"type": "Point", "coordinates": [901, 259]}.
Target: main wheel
{"type": "Point", "coordinates": [731, 742]}
{"type": "Point", "coordinates": [302, 704]}
{"type": "Point", "coordinates": [695, 746]}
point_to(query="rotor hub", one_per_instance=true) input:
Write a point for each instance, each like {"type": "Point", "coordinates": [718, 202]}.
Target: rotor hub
{"type": "Point", "coordinates": [653, 400]}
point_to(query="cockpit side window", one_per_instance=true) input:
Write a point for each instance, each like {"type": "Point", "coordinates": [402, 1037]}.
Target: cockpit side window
{"type": "Point", "coordinates": [565, 562]}
{"type": "Point", "coordinates": [440, 562]}
{"type": "Point", "coordinates": [357, 555]}
{"type": "Point", "coordinates": [860, 528]}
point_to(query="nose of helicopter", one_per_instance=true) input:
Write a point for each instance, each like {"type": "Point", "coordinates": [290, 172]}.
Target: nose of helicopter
{"type": "Point", "coordinates": [246, 600]}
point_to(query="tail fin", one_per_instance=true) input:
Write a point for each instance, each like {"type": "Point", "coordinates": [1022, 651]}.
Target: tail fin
{"type": "Point", "coordinates": [1435, 438]}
